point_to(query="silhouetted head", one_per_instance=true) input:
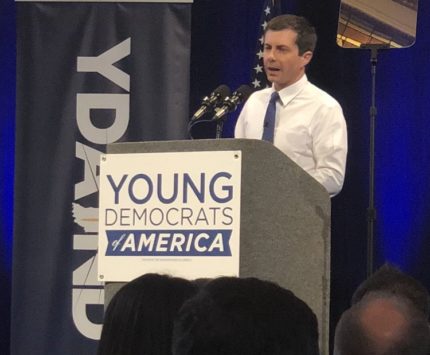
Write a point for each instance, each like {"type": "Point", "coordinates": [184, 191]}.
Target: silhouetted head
{"type": "Point", "coordinates": [391, 280]}
{"type": "Point", "coordinates": [388, 316]}
{"type": "Point", "coordinates": [139, 318]}
{"type": "Point", "coordinates": [233, 316]}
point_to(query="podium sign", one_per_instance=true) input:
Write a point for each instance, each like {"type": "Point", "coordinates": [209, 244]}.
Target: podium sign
{"type": "Point", "coordinates": [174, 212]}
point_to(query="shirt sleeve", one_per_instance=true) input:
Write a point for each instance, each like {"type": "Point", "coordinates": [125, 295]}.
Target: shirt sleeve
{"type": "Point", "coordinates": [330, 147]}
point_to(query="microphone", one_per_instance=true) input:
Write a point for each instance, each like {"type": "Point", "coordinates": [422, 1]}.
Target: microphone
{"type": "Point", "coordinates": [217, 96]}
{"type": "Point", "coordinates": [230, 103]}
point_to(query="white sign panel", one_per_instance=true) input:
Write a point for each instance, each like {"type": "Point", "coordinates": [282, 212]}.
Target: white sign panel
{"type": "Point", "coordinates": [175, 213]}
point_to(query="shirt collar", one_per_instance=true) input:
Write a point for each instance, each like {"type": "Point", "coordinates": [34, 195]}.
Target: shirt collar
{"type": "Point", "coordinates": [288, 93]}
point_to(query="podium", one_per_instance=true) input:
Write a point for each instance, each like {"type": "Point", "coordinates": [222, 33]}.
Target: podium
{"type": "Point", "coordinates": [284, 220]}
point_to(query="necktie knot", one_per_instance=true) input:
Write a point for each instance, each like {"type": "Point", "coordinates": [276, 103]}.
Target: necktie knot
{"type": "Point", "coordinates": [274, 97]}
{"type": "Point", "coordinates": [269, 119]}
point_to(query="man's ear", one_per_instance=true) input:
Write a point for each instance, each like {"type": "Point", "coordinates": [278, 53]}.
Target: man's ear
{"type": "Point", "coordinates": [307, 56]}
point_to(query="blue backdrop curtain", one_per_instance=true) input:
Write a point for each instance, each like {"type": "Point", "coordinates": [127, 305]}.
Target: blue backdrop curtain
{"type": "Point", "coordinates": [7, 129]}
{"type": "Point", "coordinates": [222, 51]}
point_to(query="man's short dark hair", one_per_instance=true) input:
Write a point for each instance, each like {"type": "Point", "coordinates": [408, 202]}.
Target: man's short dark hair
{"type": "Point", "coordinates": [353, 338]}
{"type": "Point", "coordinates": [233, 316]}
{"type": "Point", "coordinates": [306, 35]}
{"type": "Point", "coordinates": [390, 279]}
{"type": "Point", "coordinates": [139, 318]}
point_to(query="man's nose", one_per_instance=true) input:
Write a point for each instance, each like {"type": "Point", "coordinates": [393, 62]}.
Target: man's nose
{"type": "Point", "coordinates": [270, 55]}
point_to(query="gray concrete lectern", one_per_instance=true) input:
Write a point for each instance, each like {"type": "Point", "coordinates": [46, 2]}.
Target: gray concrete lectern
{"type": "Point", "coordinates": [285, 220]}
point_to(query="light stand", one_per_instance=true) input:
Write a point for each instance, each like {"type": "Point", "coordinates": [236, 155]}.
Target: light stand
{"type": "Point", "coordinates": [371, 210]}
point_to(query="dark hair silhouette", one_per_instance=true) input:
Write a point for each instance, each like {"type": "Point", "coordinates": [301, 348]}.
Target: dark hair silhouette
{"type": "Point", "coordinates": [388, 316]}
{"type": "Point", "coordinates": [139, 318]}
{"type": "Point", "coordinates": [233, 316]}
{"type": "Point", "coordinates": [408, 334]}
{"type": "Point", "coordinates": [390, 279]}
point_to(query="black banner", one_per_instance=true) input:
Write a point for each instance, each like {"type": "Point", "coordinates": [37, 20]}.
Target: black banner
{"type": "Point", "coordinates": [88, 74]}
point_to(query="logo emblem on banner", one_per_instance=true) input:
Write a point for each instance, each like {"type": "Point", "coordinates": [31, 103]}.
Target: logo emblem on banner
{"type": "Point", "coordinates": [175, 213]}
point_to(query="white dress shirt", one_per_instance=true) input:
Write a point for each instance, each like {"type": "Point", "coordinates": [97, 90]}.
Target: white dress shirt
{"type": "Point", "coordinates": [310, 129]}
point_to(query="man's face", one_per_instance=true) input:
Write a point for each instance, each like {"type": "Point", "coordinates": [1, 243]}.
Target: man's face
{"type": "Point", "coordinates": [282, 63]}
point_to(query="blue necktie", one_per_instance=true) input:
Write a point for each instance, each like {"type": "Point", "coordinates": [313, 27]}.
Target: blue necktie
{"type": "Point", "coordinates": [269, 119]}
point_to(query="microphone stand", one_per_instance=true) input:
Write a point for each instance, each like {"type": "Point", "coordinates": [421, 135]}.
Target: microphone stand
{"type": "Point", "coordinates": [219, 127]}
{"type": "Point", "coordinates": [371, 210]}
{"type": "Point", "coordinates": [220, 124]}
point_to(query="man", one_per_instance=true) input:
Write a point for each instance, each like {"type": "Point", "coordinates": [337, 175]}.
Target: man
{"type": "Point", "coordinates": [232, 316]}
{"type": "Point", "coordinates": [390, 279]}
{"type": "Point", "coordinates": [389, 316]}
{"type": "Point", "coordinates": [309, 126]}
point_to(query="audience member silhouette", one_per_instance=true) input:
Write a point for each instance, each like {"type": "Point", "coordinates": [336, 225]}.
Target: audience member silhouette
{"type": "Point", "coordinates": [390, 279]}
{"type": "Point", "coordinates": [233, 316]}
{"type": "Point", "coordinates": [139, 318]}
{"type": "Point", "coordinates": [389, 316]}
